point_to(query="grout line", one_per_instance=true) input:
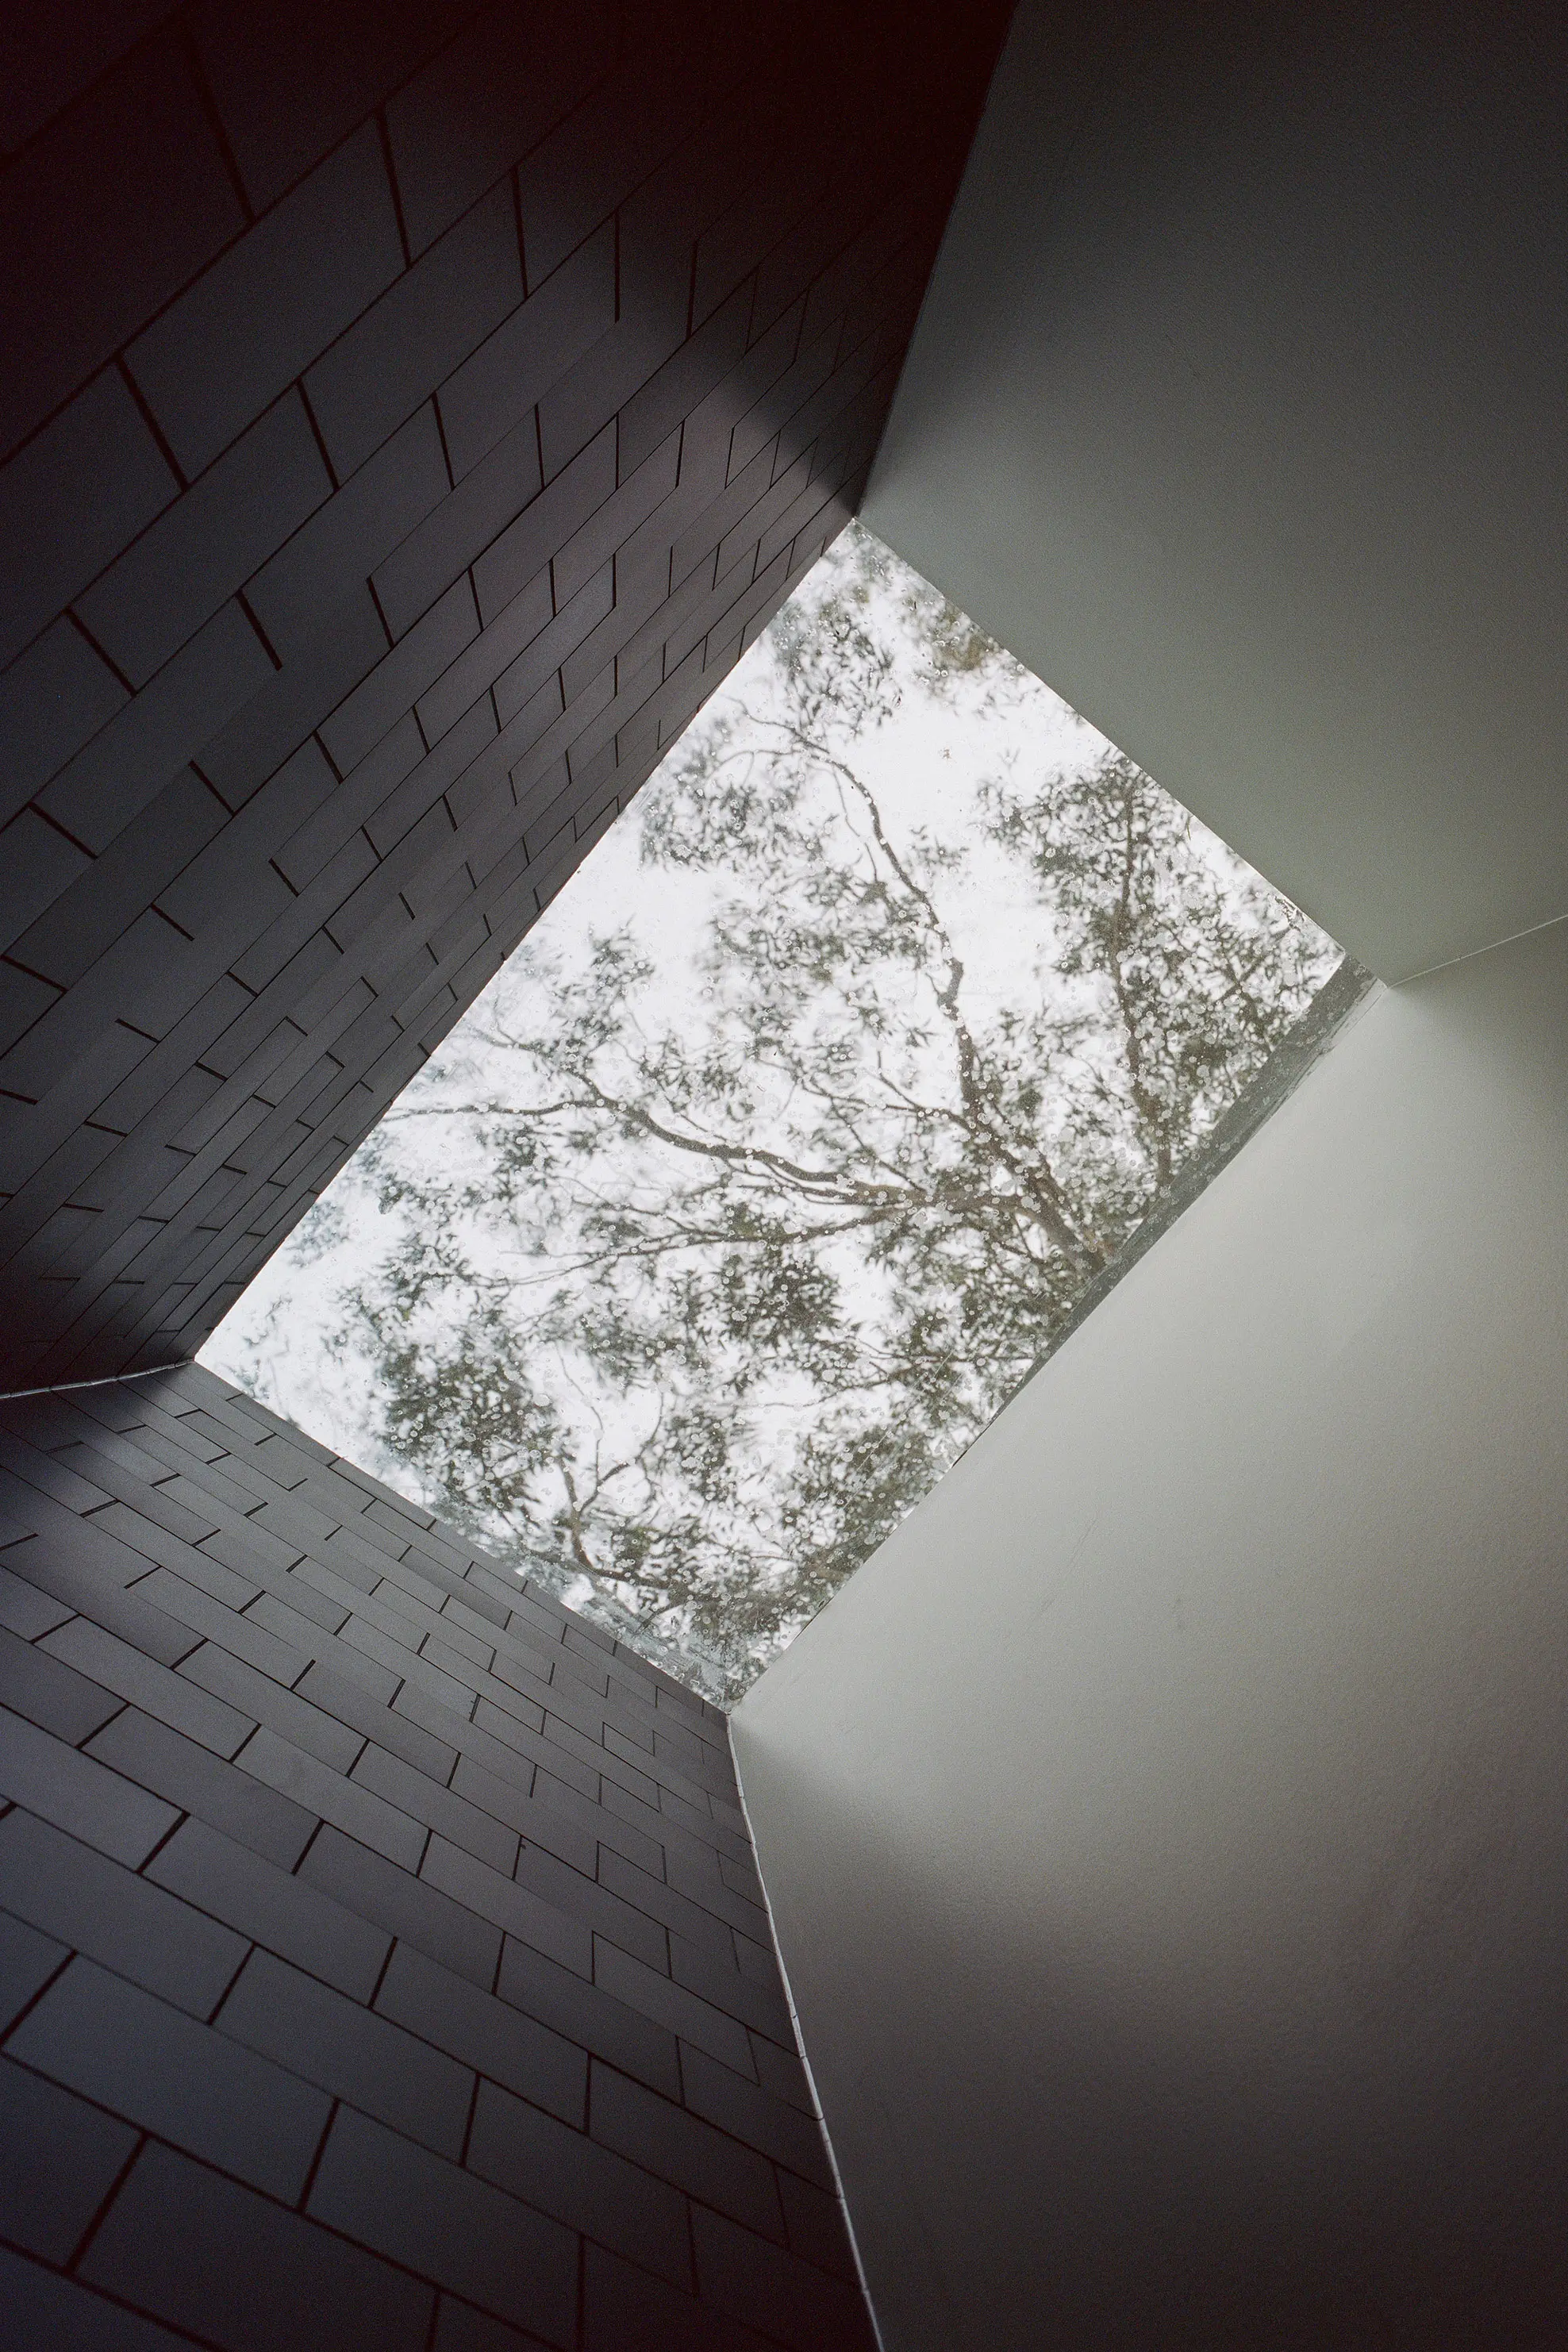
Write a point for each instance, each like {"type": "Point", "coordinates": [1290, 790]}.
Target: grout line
{"type": "Point", "coordinates": [385, 131]}
{"type": "Point", "coordinates": [144, 410]}
{"type": "Point", "coordinates": [196, 67]}
{"type": "Point", "coordinates": [80, 2247]}
{"type": "Point", "coordinates": [104, 656]}
{"type": "Point", "coordinates": [105, 1380]}
{"type": "Point", "coordinates": [311, 419]}
{"type": "Point", "coordinates": [315, 2164]}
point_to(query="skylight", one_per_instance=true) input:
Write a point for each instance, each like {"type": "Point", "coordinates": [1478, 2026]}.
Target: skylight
{"type": "Point", "coordinates": [791, 1138]}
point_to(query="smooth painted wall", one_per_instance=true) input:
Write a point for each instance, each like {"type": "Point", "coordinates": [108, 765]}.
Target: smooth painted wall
{"type": "Point", "coordinates": [1236, 409]}
{"type": "Point", "coordinates": [1167, 1830]}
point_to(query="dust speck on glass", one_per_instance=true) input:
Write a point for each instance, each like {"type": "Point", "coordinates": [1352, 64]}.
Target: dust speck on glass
{"type": "Point", "coordinates": [777, 1154]}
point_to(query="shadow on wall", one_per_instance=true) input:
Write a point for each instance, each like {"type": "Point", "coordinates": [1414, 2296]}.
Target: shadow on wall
{"type": "Point", "coordinates": [1164, 1829]}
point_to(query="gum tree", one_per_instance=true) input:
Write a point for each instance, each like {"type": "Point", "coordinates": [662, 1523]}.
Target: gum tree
{"type": "Point", "coordinates": [686, 1309]}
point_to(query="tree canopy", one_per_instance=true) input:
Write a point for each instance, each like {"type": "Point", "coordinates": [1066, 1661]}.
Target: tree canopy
{"type": "Point", "coordinates": [682, 1295]}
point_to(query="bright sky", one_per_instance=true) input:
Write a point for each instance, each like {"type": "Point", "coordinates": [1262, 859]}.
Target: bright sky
{"type": "Point", "coordinates": [925, 766]}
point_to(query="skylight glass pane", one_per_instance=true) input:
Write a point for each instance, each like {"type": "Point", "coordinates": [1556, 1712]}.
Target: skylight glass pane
{"type": "Point", "coordinates": [791, 1136]}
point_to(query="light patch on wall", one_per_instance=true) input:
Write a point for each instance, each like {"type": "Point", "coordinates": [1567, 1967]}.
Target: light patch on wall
{"type": "Point", "coordinates": [791, 1136]}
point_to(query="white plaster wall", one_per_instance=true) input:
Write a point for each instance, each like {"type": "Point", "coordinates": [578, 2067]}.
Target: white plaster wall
{"type": "Point", "coordinates": [1167, 1830]}
{"type": "Point", "coordinates": [1236, 409]}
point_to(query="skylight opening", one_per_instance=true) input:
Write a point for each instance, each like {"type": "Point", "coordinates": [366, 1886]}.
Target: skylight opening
{"type": "Point", "coordinates": [796, 1133]}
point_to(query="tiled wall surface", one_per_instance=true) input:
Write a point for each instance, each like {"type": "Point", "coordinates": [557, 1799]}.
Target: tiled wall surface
{"type": "Point", "coordinates": [410, 413]}
{"type": "Point", "coordinates": [382, 1963]}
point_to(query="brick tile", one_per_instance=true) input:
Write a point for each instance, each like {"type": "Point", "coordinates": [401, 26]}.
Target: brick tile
{"type": "Point", "coordinates": [742, 1878]}
{"type": "Point", "coordinates": [354, 1810]}
{"type": "Point", "coordinates": [333, 2041]}
{"type": "Point", "coordinates": [52, 701]}
{"type": "Point", "coordinates": [218, 356]}
{"type": "Point", "coordinates": [581, 2183]}
{"type": "Point", "coordinates": [249, 1547]}
{"type": "Point", "coordinates": [454, 1647]}
{"type": "Point", "coordinates": [511, 1801]}
{"type": "Point", "coordinates": [591, 1751]}
{"type": "Point", "coordinates": [73, 1894]}
{"type": "Point", "coordinates": [484, 102]}
{"type": "Point", "coordinates": [88, 1583]}
{"type": "Point", "coordinates": [461, 2328]}
{"type": "Point", "coordinates": [680, 2147]}
{"type": "Point", "coordinates": [407, 1907]}
{"type": "Point", "coordinates": [306, 1599]}
{"type": "Point", "coordinates": [290, 1917]}
{"type": "Point", "coordinates": [59, 2160]}
{"type": "Point", "coordinates": [239, 758]}
{"type": "Point", "coordinates": [484, 2033]}
{"type": "Point", "coordinates": [165, 2073]}
{"type": "Point", "coordinates": [26, 1467]}
{"type": "Point", "coordinates": [597, 1902]}
{"type": "Point", "coordinates": [52, 1694]}
{"type": "Point", "coordinates": [521, 550]}
{"type": "Point", "coordinates": [303, 1626]}
{"type": "Point", "coordinates": [518, 624]}
{"type": "Point", "coordinates": [68, 503]}
{"type": "Point", "coordinates": [756, 2283]}
{"type": "Point", "coordinates": [185, 708]}
{"type": "Point", "coordinates": [467, 1604]}
{"type": "Point", "coordinates": [571, 1825]}
{"type": "Point", "coordinates": [754, 2115]}
{"type": "Point", "coordinates": [59, 2315]}
{"type": "Point", "coordinates": [680, 2012]}
{"type": "Point", "coordinates": [402, 675]}
{"type": "Point", "coordinates": [280, 119]}
{"type": "Point", "coordinates": [82, 922]}
{"type": "Point", "coordinates": [178, 1506]}
{"type": "Point", "coordinates": [79, 1796]}
{"type": "Point", "coordinates": [780, 2071]}
{"type": "Point", "coordinates": [386, 1659]}
{"type": "Point", "coordinates": [333, 553]}
{"type": "Point", "coordinates": [204, 1614]}
{"type": "Point", "coordinates": [518, 1910]}
{"type": "Point", "coordinates": [577, 177]}
{"type": "Point", "coordinates": [817, 2229]}
{"type": "Point", "coordinates": [640, 494]}
{"type": "Point", "coordinates": [128, 237]}
{"type": "Point", "coordinates": [529, 352]}
{"type": "Point", "coordinates": [586, 2014]}
{"type": "Point", "coordinates": [48, 66]}
{"type": "Point", "coordinates": [423, 327]}
{"type": "Point", "coordinates": [391, 1510]}
{"type": "Point", "coordinates": [732, 248]}
{"type": "Point", "coordinates": [438, 2221]}
{"type": "Point", "coordinates": [250, 1693]}
{"type": "Point", "coordinates": [187, 1776]}
{"type": "Point", "coordinates": [558, 643]}
{"type": "Point", "coordinates": [760, 2007]}
{"type": "Point", "coordinates": [685, 1767]}
{"type": "Point", "coordinates": [422, 1799]}
{"type": "Point", "coordinates": [349, 1701]}
{"type": "Point", "coordinates": [224, 527]}
{"type": "Point", "coordinates": [588, 395]}
{"type": "Point", "coordinates": [668, 396]}
{"type": "Point", "coordinates": [623, 2306]}
{"type": "Point", "coordinates": [756, 1960]}
{"type": "Point", "coordinates": [28, 1961]}
{"type": "Point", "coordinates": [240, 2272]}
